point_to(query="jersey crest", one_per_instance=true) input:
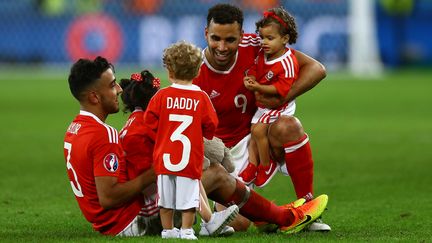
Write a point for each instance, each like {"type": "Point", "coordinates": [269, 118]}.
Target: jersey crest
{"type": "Point", "coordinates": [269, 75]}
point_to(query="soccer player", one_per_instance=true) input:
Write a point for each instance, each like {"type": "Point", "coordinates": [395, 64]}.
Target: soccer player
{"type": "Point", "coordinates": [137, 140]}
{"type": "Point", "coordinates": [228, 55]}
{"type": "Point", "coordinates": [94, 158]}
{"type": "Point", "coordinates": [273, 73]}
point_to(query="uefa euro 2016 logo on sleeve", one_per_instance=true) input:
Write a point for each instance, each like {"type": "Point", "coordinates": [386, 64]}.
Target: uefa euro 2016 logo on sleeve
{"type": "Point", "coordinates": [111, 162]}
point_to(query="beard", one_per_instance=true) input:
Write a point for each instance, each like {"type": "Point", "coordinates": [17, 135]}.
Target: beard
{"type": "Point", "coordinates": [110, 106]}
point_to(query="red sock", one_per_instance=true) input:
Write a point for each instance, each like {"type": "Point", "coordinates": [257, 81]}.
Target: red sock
{"type": "Point", "coordinates": [298, 158]}
{"type": "Point", "coordinates": [256, 208]}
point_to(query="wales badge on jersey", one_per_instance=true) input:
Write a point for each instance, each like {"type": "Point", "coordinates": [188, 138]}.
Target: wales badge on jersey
{"type": "Point", "coordinates": [269, 75]}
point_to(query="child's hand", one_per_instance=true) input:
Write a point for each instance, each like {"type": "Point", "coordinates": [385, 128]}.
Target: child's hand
{"type": "Point", "coordinates": [249, 82]}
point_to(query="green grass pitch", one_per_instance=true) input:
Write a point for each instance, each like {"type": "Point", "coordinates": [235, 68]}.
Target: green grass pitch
{"type": "Point", "coordinates": [371, 141]}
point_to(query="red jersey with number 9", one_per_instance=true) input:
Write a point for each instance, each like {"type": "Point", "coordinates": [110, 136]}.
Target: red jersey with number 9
{"type": "Point", "coordinates": [234, 104]}
{"type": "Point", "coordinates": [91, 149]}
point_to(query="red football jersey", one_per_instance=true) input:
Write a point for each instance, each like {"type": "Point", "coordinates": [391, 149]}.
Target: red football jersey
{"type": "Point", "coordinates": [234, 104]}
{"type": "Point", "coordinates": [181, 115]}
{"type": "Point", "coordinates": [280, 72]}
{"type": "Point", "coordinates": [91, 149]}
{"type": "Point", "coordinates": [137, 142]}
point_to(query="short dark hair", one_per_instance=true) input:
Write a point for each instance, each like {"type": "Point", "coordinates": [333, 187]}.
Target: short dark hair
{"type": "Point", "coordinates": [225, 14]}
{"type": "Point", "coordinates": [138, 93]}
{"type": "Point", "coordinates": [85, 72]}
{"type": "Point", "coordinates": [290, 27]}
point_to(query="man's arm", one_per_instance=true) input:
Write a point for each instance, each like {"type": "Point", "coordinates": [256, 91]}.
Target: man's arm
{"type": "Point", "coordinates": [311, 72]}
{"type": "Point", "coordinates": [112, 194]}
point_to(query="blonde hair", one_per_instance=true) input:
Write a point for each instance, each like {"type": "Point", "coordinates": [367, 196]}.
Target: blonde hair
{"type": "Point", "coordinates": [183, 59]}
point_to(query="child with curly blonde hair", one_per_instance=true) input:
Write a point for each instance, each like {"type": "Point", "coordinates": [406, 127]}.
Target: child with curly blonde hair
{"type": "Point", "coordinates": [181, 115]}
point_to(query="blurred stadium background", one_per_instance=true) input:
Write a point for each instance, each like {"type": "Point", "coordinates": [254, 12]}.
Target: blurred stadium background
{"type": "Point", "coordinates": [54, 33]}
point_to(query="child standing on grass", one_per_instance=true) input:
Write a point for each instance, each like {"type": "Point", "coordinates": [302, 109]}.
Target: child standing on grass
{"type": "Point", "coordinates": [273, 74]}
{"type": "Point", "coordinates": [181, 115]}
{"type": "Point", "coordinates": [137, 141]}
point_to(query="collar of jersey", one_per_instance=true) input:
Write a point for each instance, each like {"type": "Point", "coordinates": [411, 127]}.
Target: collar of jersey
{"type": "Point", "coordinates": [186, 87]}
{"type": "Point", "coordinates": [86, 113]}
{"type": "Point", "coordinates": [137, 109]}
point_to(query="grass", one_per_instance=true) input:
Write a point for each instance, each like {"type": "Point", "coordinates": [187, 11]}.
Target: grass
{"type": "Point", "coordinates": [371, 141]}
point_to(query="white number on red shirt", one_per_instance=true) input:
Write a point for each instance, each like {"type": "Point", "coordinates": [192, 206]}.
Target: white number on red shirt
{"type": "Point", "coordinates": [178, 136]}
{"type": "Point", "coordinates": [76, 189]}
{"type": "Point", "coordinates": [240, 101]}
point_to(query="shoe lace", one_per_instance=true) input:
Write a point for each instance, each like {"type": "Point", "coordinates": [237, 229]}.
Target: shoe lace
{"type": "Point", "coordinates": [298, 213]}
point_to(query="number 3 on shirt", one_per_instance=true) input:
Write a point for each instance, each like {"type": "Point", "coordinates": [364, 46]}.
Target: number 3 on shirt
{"type": "Point", "coordinates": [76, 189]}
{"type": "Point", "coordinates": [178, 136]}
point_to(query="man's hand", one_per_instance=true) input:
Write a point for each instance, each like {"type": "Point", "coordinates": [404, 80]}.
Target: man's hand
{"type": "Point", "coordinates": [113, 194]}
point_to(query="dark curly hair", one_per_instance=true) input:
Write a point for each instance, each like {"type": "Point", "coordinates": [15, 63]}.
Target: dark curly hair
{"type": "Point", "coordinates": [225, 14]}
{"type": "Point", "coordinates": [137, 94]}
{"type": "Point", "coordinates": [290, 29]}
{"type": "Point", "coordinates": [84, 73]}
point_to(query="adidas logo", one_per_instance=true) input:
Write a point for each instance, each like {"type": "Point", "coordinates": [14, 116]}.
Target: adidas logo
{"type": "Point", "coordinates": [214, 94]}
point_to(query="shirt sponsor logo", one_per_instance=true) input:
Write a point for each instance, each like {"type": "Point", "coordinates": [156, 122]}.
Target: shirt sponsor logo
{"type": "Point", "coordinates": [111, 162]}
{"type": "Point", "coordinates": [214, 94]}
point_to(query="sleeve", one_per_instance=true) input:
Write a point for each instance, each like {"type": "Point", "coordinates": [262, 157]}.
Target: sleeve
{"type": "Point", "coordinates": [283, 85]}
{"type": "Point", "coordinates": [210, 119]}
{"type": "Point", "coordinates": [285, 75]}
{"type": "Point", "coordinates": [252, 40]}
{"type": "Point", "coordinates": [106, 156]}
